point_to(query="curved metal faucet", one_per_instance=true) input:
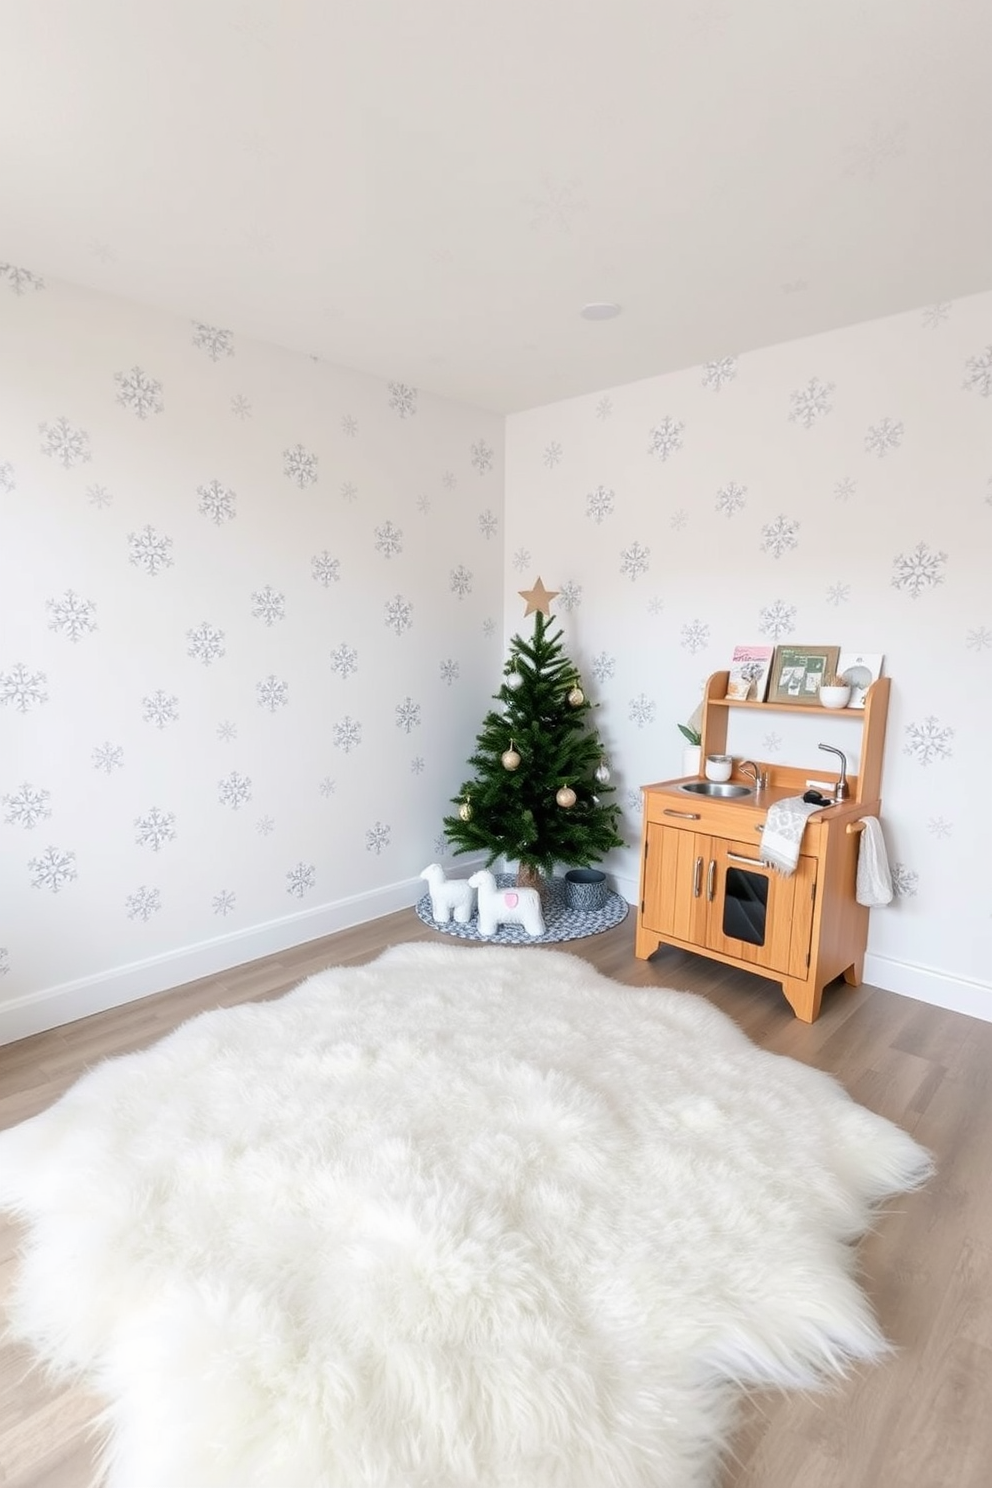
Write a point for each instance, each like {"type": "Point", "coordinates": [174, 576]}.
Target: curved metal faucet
{"type": "Point", "coordinates": [759, 777]}
{"type": "Point", "coordinates": [841, 789]}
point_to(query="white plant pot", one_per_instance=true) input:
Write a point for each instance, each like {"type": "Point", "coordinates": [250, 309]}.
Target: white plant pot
{"type": "Point", "coordinates": [835, 697]}
{"type": "Point", "coordinates": [690, 759]}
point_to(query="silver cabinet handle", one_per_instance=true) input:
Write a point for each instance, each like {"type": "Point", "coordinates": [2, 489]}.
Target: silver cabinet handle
{"type": "Point", "coordinates": [740, 858]}
{"type": "Point", "coordinates": [697, 879]}
{"type": "Point", "coordinates": [711, 880]}
{"type": "Point", "coordinates": [685, 815]}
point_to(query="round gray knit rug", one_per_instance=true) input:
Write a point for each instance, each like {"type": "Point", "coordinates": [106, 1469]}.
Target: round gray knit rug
{"type": "Point", "coordinates": [560, 921]}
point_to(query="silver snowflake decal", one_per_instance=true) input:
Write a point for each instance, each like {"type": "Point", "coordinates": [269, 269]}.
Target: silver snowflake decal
{"type": "Point", "coordinates": [521, 559]}
{"type": "Point", "coordinates": [27, 806]}
{"type": "Point", "coordinates": [241, 407]}
{"type": "Point", "coordinates": [939, 826]}
{"type": "Point", "coordinates": [488, 524]}
{"type": "Point", "coordinates": [845, 489]}
{"type": "Point", "coordinates": [155, 829]}
{"type": "Point", "coordinates": [344, 660]}
{"type": "Point", "coordinates": [4, 960]}
{"type": "Point", "coordinates": [717, 374]}
{"type": "Point", "coordinates": [376, 838]}
{"type": "Point", "coordinates": [227, 732]}
{"type": "Point", "coordinates": [777, 620]}
{"type": "Point", "coordinates": [99, 496]}
{"type": "Point", "coordinates": [7, 482]}
{"type": "Point", "coordinates": [838, 594]}
{"type": "Point", "coordinates": [19, 281]}
{"type": "Point", "coordinates": [883, 436]}
{"type": "Point", "coordinates": [656, 605]}
{"type": "Point", "coordinates": [928, 741]}
{"type": "Point", "coordinates": [600, 503]}
{"type": "Point", "coordinates": [64, 443]}
{"type": "Point", "coordinates": [418, 764]}
{"type": "Point", "coordinates": [327, 787]}
{"type": "Point", "coordinates": [205, 643]}
{"type": "Point", "coordinates": [905, 882]}
{"type": "Point", "coordinates": [772, 743]}
{"type": "Point", "coordinates": [634, 560]}
{"type": "Point", "coordinates": [388, 540]}
{"type": "Point", "coordinates": [217, 502]}
{"type": "Point", "coordinates": [53, 869]}
{"type": "Point", "coordinates": [234, 790]}
{"type": "Point", "coordinates": [272, 693]}
{"type": "Point", "coordinates": [349, 491]}
{"type": "Point", "coordinates": [604, 408]}
{"type": "Point", "coordinates": [150, 550]}
{"type": "Point", "coordinates": [347, 734]}
{"type": "Point", "coordinates": [460, 581]}
{"type": "Point", "coordinates": [349, 425]}
{"type": "Point", "coordinates": [265, 826]}
{"type": "Point", "coordinates": [71, 616]}
{"type": "Point", "coordinates": [780, 536]}
{"type": "Point", "coordinates": [921, 569]}
{"type": "Point", "coordinates": [604, 666]}
{"type": "Point", "coordinates": [666, 437]}
{"type": "Point", "coordinates": [935, 315]}
{"type": "Point", "coordinates": [214, 341]}
{"type": "Point", "coordinates": [301, 879]}
{"type": "Point", "coordinates": [423, 504]}
{"type": "Point", "coordinates": [300, 466]}
{"type": "Point", "coordinates": [482, 457]}
{"type": "Point", "coordinates": [569, 596]}
{"type": "Point", "coordinates": [324, 569]}
{"type": "Point", "coordinates": [978, 373]}
{"type": "Point", "coordinates": [224, 903]}
{"type": "Point", "coordinates": [731, 498]}
{"type": "Point", "coordinates": [641, 710]}
{"type": "Point", "coordinates": [489, 627]}
{"type": "Point", "coordinates": [811, 402]}
{"type": "Point", "coordinates": [22, 688]}
{"type": "Point", "coordinates": [399, 614]}
{"type": "Point", "coordinates": [143, 903]}
{"type": "Point", "coordinates": [108, 757]}
{"type": "Point", "coordinates": [979, 639]}
{"type": "Point", "coordinates": [449, 480]}
{"type": "Point", "coordinates": [160, 708]}
{"type": "Point", "coordinates": [407, 715]}
{"type": "Point", "coordinates": [269, 605]}
{"type": "Point", "coordinates": [552, 454]}
{"type": "Point", "coordinates": [679, 519]}
{"type": "Point", "coordinates": [695, 636]}
{"type": "Point", "coordinates": [403, 399]}
{"type": "Point", "coordinates": [449, 671]}
{"type": "Point", "coordinates": [138, 392]}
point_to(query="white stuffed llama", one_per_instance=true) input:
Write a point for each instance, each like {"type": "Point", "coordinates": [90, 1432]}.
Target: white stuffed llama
{"type": "Point", "coordinates": [449, 895]}
{"type": "Point", "coordinates": [506, 906]}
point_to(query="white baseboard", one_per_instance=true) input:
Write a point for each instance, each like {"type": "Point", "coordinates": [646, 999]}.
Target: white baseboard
{"type": "Point", "coordinates": [925, 984]}
{"type": "Point", "coordinates": [55, 1006]}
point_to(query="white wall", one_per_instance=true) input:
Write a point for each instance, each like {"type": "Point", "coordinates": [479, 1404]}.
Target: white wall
{"type": "Point", "coordinates": [835, 490]}
{"type": "Point", "coordinates": [159, 817]}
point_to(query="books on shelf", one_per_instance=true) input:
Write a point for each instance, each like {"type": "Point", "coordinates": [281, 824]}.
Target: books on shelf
{"type": "Point", "coordinates": [750, 668]}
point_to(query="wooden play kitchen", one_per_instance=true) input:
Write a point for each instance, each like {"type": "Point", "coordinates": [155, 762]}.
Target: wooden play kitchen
{"type": "Point", "coordinates": [703, 885]}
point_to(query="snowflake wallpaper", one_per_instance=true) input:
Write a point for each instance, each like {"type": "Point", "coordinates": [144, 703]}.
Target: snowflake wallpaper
{"type": "Point", "coordinates": [252, 618]}
{"type": "Point", "coordinates": [835, 490]}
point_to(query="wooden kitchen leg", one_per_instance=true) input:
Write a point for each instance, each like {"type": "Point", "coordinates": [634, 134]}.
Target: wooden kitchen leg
{"type": "Point", "coordinates": [855, 972]}
{"type": "Point", "coordinates": [803, 997]}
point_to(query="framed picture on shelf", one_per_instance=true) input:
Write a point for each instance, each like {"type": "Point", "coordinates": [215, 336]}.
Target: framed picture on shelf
{"type": "Point", "coordinates": [798, 671]}
{"type": "Point", "coordinates": [860, 670]}
{"type": "Point", "coordinates": [750, 667]}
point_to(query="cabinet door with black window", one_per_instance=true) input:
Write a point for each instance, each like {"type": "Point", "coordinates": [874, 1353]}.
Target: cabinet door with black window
{"type": "Point", "coordinates": [756, 914]}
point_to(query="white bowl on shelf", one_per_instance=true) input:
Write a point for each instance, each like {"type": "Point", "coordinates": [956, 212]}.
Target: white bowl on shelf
{"type": "Point", "coordinates": [835, 697]}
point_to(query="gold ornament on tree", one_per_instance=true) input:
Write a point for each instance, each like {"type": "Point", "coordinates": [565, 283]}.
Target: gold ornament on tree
{"type": "Point", "coordinates": [510, 758]}
{"type": "Point", "coordinates": [465, 810]}
{"type": "Point", "coordinates": [566, 797]}
{"type": "Point", "coordinates": [576, 697]}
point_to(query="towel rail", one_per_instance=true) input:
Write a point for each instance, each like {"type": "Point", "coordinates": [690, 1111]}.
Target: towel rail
{"type": "Point", "coordinates": [855, 826]}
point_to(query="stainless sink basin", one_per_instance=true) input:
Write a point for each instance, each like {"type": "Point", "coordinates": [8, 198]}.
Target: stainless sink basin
{"type": "Point", "coordinates": [715, 788]}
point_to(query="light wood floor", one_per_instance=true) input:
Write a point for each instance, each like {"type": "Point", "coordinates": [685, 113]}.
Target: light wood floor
{"type": "Point", "coordinates": [922, 1420]}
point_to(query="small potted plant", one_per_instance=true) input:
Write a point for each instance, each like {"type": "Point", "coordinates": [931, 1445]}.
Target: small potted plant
{"type": "Point", "coordinates": [834, 691]}
{"type": "Point", "coordinates": [690, 752]}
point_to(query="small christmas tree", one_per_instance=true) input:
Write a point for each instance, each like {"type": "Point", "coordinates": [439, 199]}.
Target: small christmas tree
{"type": "Point", "coordinates": [538, 792]}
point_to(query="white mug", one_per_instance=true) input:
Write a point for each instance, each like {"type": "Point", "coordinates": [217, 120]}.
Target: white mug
{"type": "Point", "coordinates": [718, 767]}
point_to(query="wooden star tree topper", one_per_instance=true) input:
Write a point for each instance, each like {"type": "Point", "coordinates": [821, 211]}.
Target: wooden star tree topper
{"type": "Point", "coordinates": [538, 598]}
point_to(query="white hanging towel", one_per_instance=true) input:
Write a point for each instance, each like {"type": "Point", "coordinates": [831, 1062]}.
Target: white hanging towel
{"type": "Point", "coordinates": [783, 834]}
{"type": "Point", "coordinates": [874, 883]}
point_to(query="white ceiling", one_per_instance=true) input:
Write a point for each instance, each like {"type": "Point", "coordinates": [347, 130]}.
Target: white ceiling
{"type": "Point", "coordinates": [429, 190]}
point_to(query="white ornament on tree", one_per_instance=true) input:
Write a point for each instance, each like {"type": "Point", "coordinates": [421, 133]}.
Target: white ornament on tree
{"type": "Point", "coordinates": [514, 681]}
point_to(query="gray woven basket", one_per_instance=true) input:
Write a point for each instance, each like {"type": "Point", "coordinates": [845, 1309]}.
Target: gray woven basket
{"type": "Point", "coordinates": [585, 888]}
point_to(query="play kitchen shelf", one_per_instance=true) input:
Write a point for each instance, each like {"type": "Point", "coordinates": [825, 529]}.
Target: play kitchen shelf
{"type": "Point", "coordinates": [704, 888]}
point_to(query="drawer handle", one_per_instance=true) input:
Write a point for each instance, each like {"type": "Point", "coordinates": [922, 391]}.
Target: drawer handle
{"type": "Point", "coordinates": [697, 879]}
{"type": "Point", "coordinates": [740, 858]}
{"type": "Point", "coordinates": [685, 815]}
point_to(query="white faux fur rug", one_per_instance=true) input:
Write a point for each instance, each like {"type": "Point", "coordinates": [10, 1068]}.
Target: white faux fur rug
{"type": "Point", "coordinates": [461, 1218]}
